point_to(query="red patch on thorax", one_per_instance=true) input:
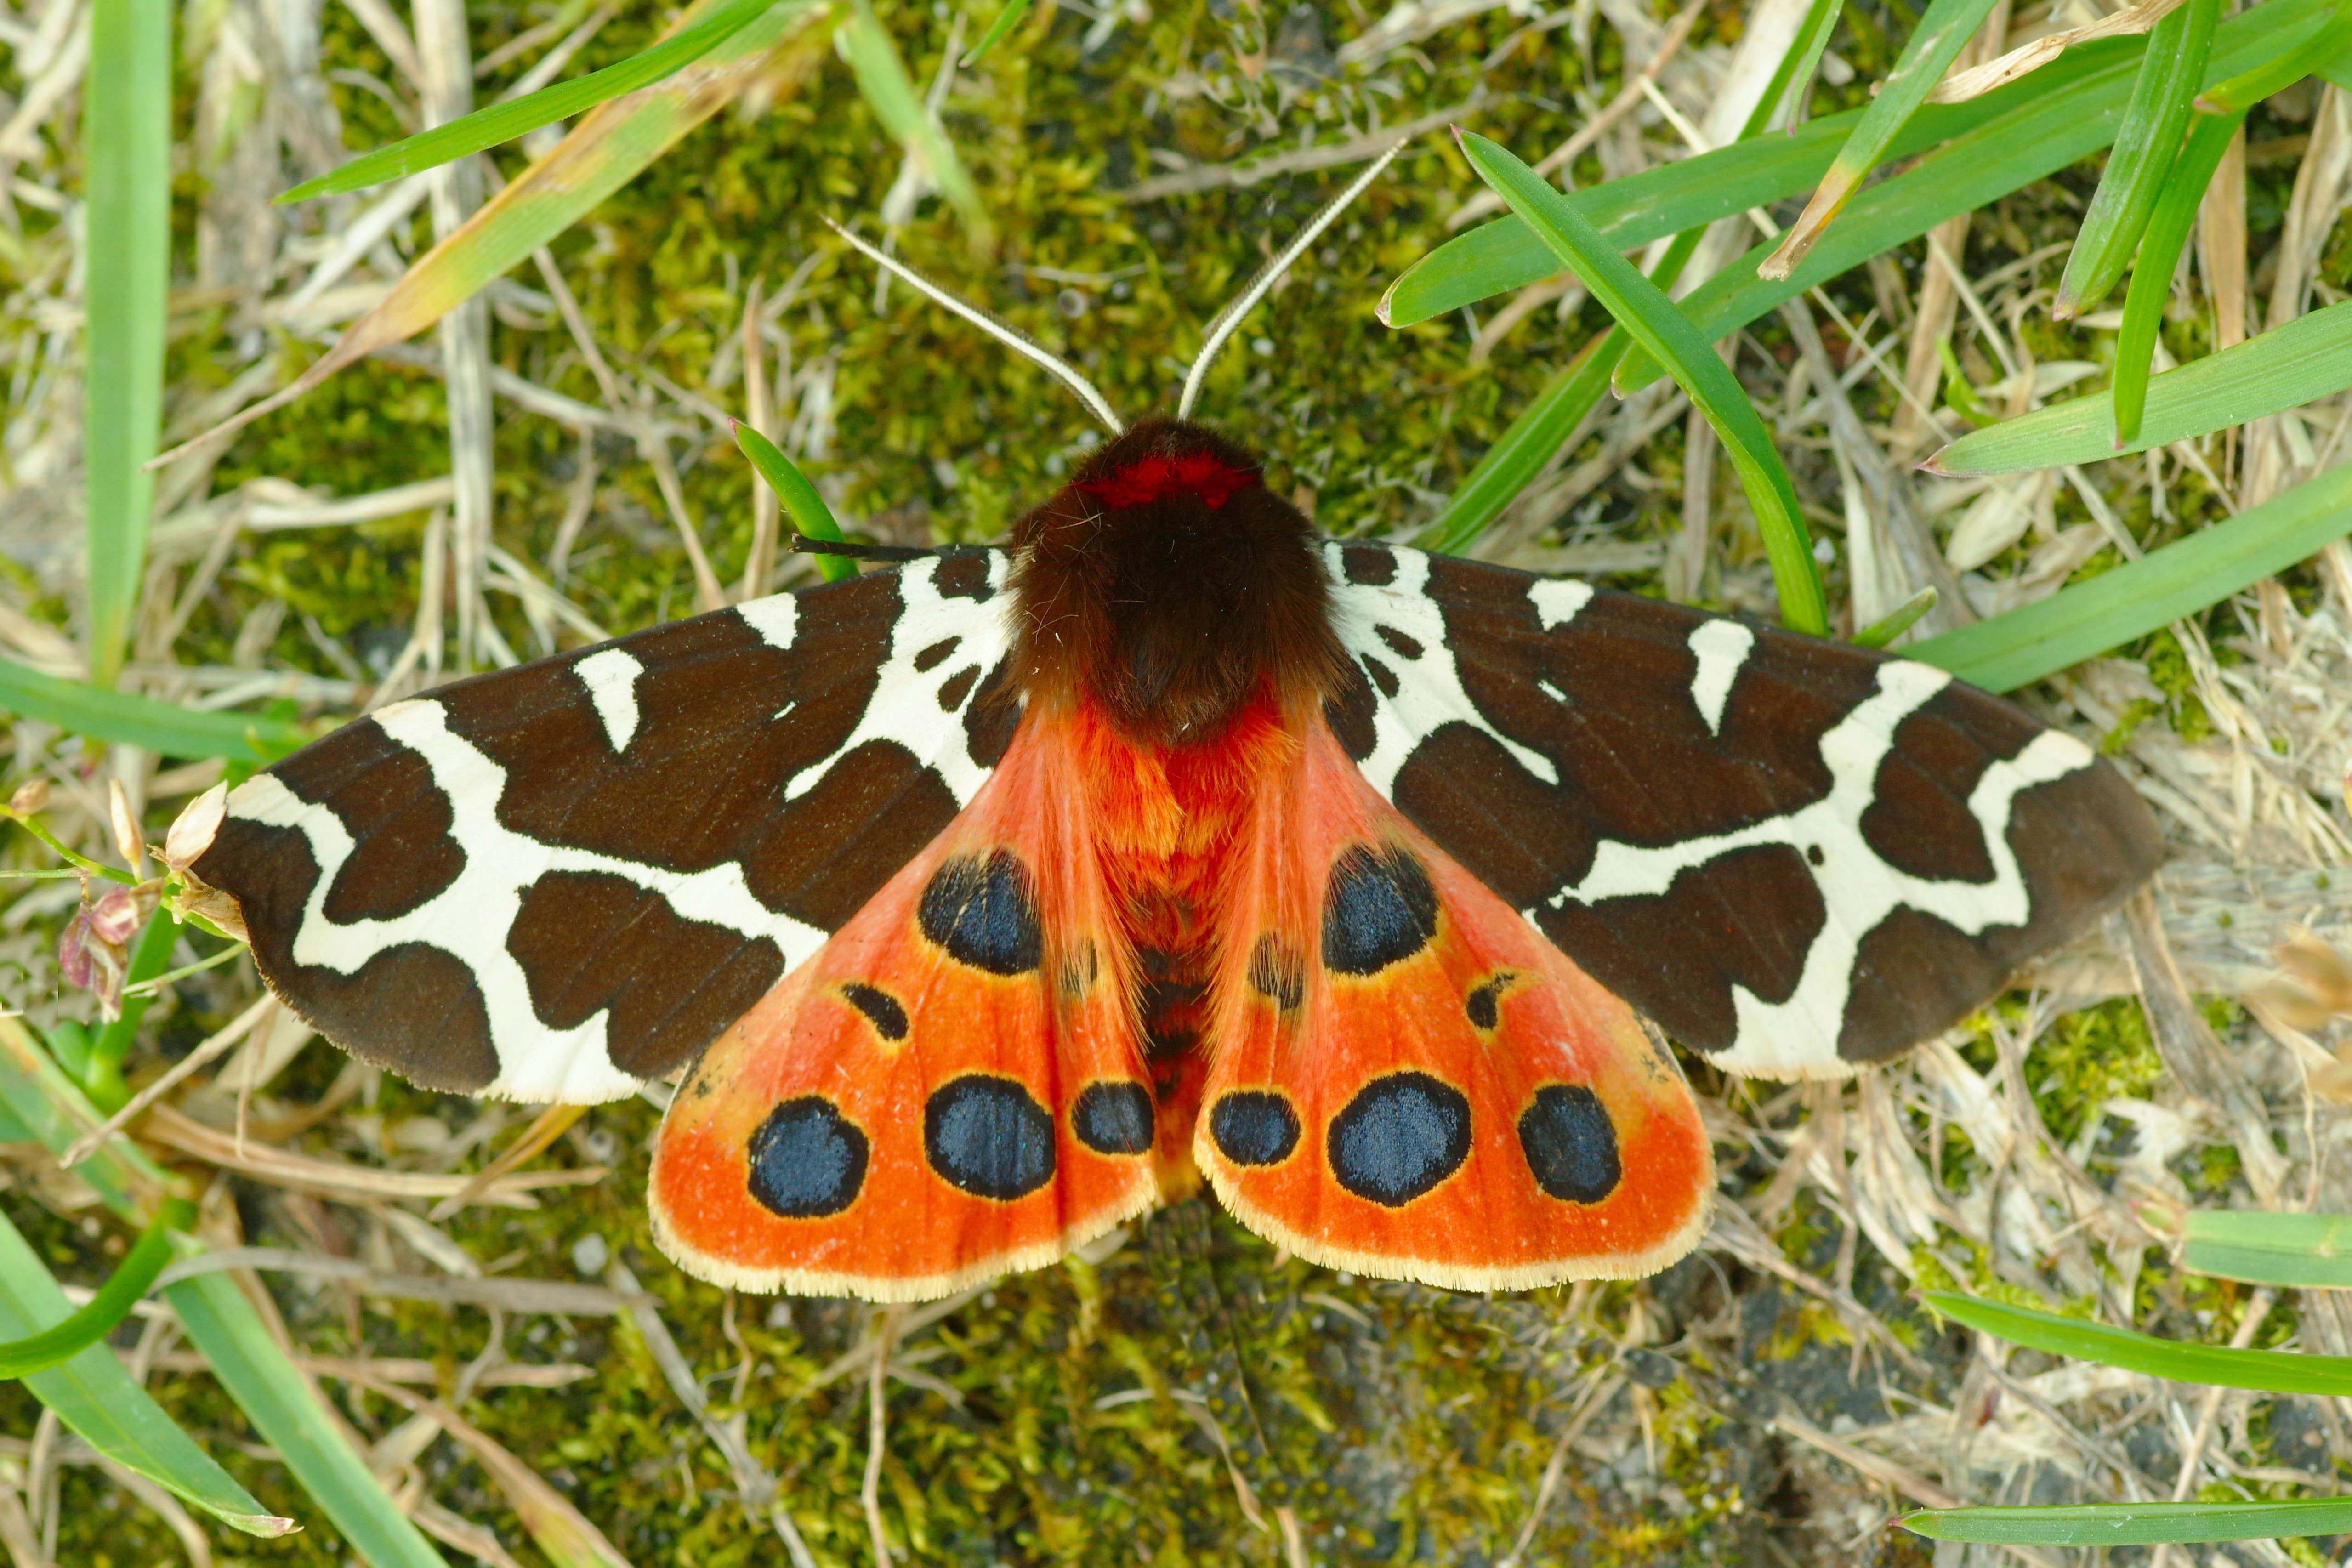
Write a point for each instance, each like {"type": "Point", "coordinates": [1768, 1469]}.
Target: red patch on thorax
{"type": "Point", "coordinates": [1148, 480]}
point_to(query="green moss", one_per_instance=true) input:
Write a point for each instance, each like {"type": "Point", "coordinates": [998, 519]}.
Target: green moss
{"type": "Point", "coordinates": [2088, 1057]}
{"type": "Point", "coordinates": [2168, 667]}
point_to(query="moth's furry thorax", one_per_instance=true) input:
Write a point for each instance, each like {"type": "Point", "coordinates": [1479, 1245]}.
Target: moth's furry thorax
{"type": "Point", "coordinates": [1168, 584]}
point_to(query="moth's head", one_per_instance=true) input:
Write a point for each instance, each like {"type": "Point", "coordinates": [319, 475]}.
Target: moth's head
{"type": "Point", "coordinates": [1167, 584]}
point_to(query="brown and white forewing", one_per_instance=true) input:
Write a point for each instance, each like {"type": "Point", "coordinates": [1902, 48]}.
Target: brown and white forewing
{"type": "Point", "coordinates": [1795, 855]}
{"type": "Point", "coordinates": [556, 881]}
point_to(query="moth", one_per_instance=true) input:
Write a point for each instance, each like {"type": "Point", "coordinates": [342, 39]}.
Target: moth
{"type": "Point", "coordinates": [988, 900]}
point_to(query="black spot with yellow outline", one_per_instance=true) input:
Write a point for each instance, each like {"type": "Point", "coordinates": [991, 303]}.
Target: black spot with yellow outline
{"type": "Point", "coordinates": [1379, 908]}
{"type": "Point", "coordinates": [807, 1160]}
{"type": "Point", "coordinates": [1571, 1143]}
{"type": "Point", "coordinates": [983, 912]}
{"type": "Point", "coordinates": [1400, 1137]}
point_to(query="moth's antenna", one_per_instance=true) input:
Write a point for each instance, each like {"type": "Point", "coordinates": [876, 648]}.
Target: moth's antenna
{"type": "Point", "coordinates": [1229, 318]}
{"type": "Point", "coordinates": [1012, 337]}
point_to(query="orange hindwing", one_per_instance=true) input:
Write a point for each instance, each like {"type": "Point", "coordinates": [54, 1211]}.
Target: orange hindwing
{"type": "Point", "coordinates": [950, 1089]}
{"type": "Point", "coordinates": [1408, 1080]}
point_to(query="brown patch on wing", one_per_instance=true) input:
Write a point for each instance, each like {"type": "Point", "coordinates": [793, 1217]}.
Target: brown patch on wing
{"type": "Point", "coordinates": [850, 834]}
{"type": "Point", "coordinates": [1746, 919]}
{"type": "Point", "coordinates": [1918, 819]}
{"type": "Point", "coordinates": [1637, 761]}
{"type": "Point", "coordinates": [1904, 975]}
{"type": "Point", "coordinates": [2083, 842]}
{"type": "Point", "coordinates": [727, 723]}
{"type": "Point", "coordinates": [1350, 710]}
{"type": "Point", "coordinates": [413, 1009]}
{"type": "Point", "coordinates": [1507, 828]}
{"type": "Point", "coordinates": [589, 941]}
{"type": "Point", "coordinates": [991, 716]}
{"type": "Point", "coordinates": [404, 856]}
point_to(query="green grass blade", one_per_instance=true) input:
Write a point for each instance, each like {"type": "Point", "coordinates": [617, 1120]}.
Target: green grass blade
{"type": "Point", "coordinates": [890, 92]}
{"type": "Point", "coordinates": [806, 509]}
{"type": "Point", "coordinates": [2041, 136]}
{"type": "Point", "coordinates": [2329, 47]}
{"type": "Point", "coordinates": [95, 1396]}
{"type": "Point", "coordinates": [2113, 608]}
{"type": "Point", "coordinates": [1935, 44]}
{"type": "Point", "coordinates": [2159, 252]}
{"type": "Point", "coordinates": [2081, 89]}
{"type": "Point", "coordinates": [127, 131]}
{"type": "Point", "coordinates": [1650, 319]}
{"type": "Point", "coordinates": [1795, 71]}
{"type": "Point", "coordinates": [1897, 620]}
{"type": "Point", "coordinates": [85, 1326]}
{"type": "Point", "coordinates": [1006, 20]}
{"type": "Point", "coordinates": [608, 148]}
{"type": "Point", "coordinates": [286, 1411]}
{"type": "Point", "coordinates": [131, 721]}
{"type": "Point", "coordinates": [2308, 1251]}
{"type": "Point", "coordinates": [1522, 450]}
{"type": "Point", "coordinates": [2308, 357]}
{"type": "Point", "coordinates": [2136, 1523]}
{"type": "Point", "coordinates": [52, 1107]}
{"type": "Point", "coordinates": [505, 121]}
{"type": "Point", "coordinates": [2273, 1371]}
{"type": "Point", "coordinates": [2147, 146]}
{"type": "Point", "coordinates": [1504, 255]}
{"type": "Point", "coordinates": [221, 1323]}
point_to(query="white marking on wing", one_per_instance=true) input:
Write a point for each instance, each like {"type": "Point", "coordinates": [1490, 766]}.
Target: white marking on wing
{"type": "Point", "coordinates": [1429, 692]}
{"type": "Point", "coordinates": [471, 918]}
{"type": "Point", "coordinates": [1722, 648]}
{"type": "Point", "coordinates": [776, 619]}
{"type": "Point", "coordinates": [1558, 600]}
{"type": "Point", "coordinates": [1859, 889]}
{"type": "Point", "coordinates": [611, 678]}
{"type": "Point", "coordinates": [905, 708]}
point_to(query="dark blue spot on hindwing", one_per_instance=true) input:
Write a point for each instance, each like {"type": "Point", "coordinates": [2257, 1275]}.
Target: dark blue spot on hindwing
{"type": "Point", "coordinates": [1400, 1137]}
{"type": "Point", "coordinates": [1254, 1127]}
{"type": "Point", "coordinates": [1113, 1118]}
{"type": "Point", "coordinates": [984, 913]}
{"type": "Point", "coordinates": [1378, 909]}
{"type": "Point", "coordinates": [807, 1160]}
{"type": "Point", "coordinates": [1569, 1144]}
{"type": "Point", "coordinates": [990, 1137]}
{"type": "Point", "coordinates": [881, 1009]}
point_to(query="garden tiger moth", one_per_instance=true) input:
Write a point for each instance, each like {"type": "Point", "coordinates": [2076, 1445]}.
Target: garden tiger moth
{"type": "Point", "coordinates": [991, 900]}
{"type": "Point", "coordinates": [994, 898]}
